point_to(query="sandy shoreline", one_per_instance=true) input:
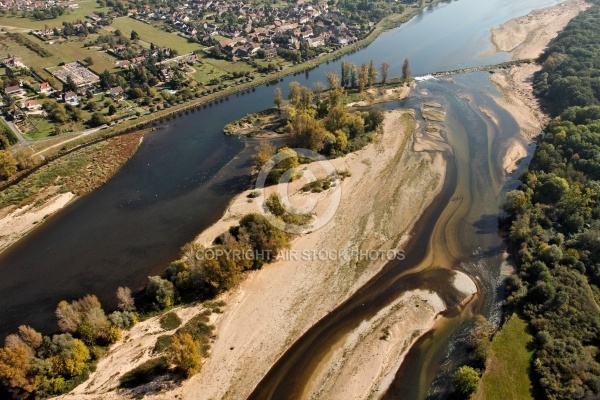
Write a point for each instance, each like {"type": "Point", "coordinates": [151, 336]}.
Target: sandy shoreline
{"type": "Point", "coordinates": [529, 35]}
{"type": "Point", "coordinates": [17, 222]}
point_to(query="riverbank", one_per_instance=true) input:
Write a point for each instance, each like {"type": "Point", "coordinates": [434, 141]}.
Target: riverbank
{"type": "Point", "coordinates": [529, 35]}
{"type": "Point", "coordinates": [26, 204]}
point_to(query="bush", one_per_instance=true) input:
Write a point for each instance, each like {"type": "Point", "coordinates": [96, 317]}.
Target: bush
{"type": "Point", "coordinates": [465, 381]}
{"type": "Point", "coordinates": [144, 373]}
{"type": "Point", "coordinates": [162, 343]}
{"type": "Point", "coordinates": [170, 321]}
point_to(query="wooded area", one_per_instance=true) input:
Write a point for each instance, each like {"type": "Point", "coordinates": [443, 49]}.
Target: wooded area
{"type": "Point", "coordinates": [554, 220]}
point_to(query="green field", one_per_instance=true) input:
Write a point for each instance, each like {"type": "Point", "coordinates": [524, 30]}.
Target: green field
{"type": "Point", "coordinates": [506, 376]}
{"type": "Point", "coordinates": [63, 52]}
{"type": "Point", "coordinates": [74, 51]}
{"type": "Point", "coordinates": [153, 34]}
{"type": "Point", "coordinates": [85, 7]}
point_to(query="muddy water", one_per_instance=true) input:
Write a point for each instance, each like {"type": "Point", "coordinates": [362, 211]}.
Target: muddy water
{"type": "Point", "coordinates": [458, 231]}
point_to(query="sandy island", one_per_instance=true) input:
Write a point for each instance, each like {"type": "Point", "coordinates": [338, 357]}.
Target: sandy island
{"type": "Point", "coordinates": [274, 306]}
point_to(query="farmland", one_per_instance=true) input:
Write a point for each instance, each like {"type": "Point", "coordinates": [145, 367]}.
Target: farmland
{"type": "Point", "coordinates": [85, 7]}
{"type": "Point", "coordinates": [153, 34]}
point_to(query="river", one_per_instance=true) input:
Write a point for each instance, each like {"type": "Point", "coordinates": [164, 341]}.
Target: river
{"type": "Point", "coordinates": [183, 176]}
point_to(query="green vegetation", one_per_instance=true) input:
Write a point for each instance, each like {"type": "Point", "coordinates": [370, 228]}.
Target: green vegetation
{"type": "Point", "coordinates": [33, 366]}
{"type": "Point", "coordinates": [465, 381]}
{"type": "Point", "coordinates": [170, 321]}
{"type": "Point", "coordinates": [145, 372]}
{"type": "Point", "coordinates": [162, 343]}
{"type": "Point", "coordinates": [30, 44]}
{"type": "Point", "coordinates": [85, 7]}
{"type": "Point", "coordinates": [509, 360]}
{"type": "Point", "coordinates": [7, 137]}
{"type": "Point", "coordinates": [149, 33]}
{"type": "Point", "coordinates": [70, 173]}
{"type": "Point", "coordinates": [554, 221]}
{"type": "Point", "coordinates": [571, 65]}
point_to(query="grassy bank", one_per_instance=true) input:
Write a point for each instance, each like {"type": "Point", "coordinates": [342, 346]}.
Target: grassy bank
{"type": "Point", "coordinates": [78, 172]}
{"type": "Point", "coordinates": [507, 370]}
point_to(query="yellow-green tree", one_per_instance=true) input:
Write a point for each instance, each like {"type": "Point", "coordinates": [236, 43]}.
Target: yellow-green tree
{"type": "Point", "coordinates": [184, 352]}
{"type": "Point", "coordinates": [69, 356]}
{"type": "Point", "coordinates": [17, 372]}
{"type": "Point", "coordinates": [8, 165]}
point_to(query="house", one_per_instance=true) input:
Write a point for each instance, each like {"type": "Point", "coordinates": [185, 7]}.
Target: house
{"type": "Point", "coordinates": [316, 42]}
{"type": "Point", "coordinates": [138, 60]}
{"type": "Point", "coordinates": [31, 105]}
{"type": "Point", "coordinates": [16, 89]}
{"type": "Point", "coordinates": [116, 92]}
{"type": "Point", "coordinates": [17, 114]}
{"type": "Point", "coordinates": [270, 53]}
{"type": "Point", "coordinates": [13, 62]}
{"type": "Point", "coordinates": [45, 87]}
{"type": "Point", "coordinates": [165, 75]}
{"type": "Point", "coordinates": [191, 59]}
{"type": "Point", "coordinates": [123, 63]}
{"type": "Point", "coordinates": [71, 98]}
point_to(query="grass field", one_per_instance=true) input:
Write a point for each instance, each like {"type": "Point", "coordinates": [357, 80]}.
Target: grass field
{"type": "Point", "coordinates": [507, 371]}
{"type": "Point", "coordinates": [63, 52]}
{"type": "Point", "coordinates": [85, 7]}
{"type": "Point", "coordinates": [74, 51]}
{"type": "Point", "coordinates": [153, 34]}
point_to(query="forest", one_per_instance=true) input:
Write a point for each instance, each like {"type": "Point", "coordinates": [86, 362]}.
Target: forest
{"type": "Point", "coordinates": [554, 220]}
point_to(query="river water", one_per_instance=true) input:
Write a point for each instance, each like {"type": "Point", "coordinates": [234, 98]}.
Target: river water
{"type": "Point", "coordinates": [183, 176]}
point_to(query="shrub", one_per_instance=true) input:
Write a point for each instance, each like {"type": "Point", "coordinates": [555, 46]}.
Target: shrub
{"type": "Point", "coordinates": [144, 373]}
{"type": "Point", "coordinates": [170, 321]}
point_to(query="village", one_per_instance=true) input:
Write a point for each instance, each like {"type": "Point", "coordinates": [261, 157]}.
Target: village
{"type": "Point", "coordinates": [121, 63]}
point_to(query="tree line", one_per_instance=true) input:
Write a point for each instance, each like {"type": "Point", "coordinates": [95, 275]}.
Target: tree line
{"type": "Point", "coordinates": [554, 220]}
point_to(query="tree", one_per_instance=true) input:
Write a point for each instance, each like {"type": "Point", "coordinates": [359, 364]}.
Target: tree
{"type": "Point", "coordinates": [385, 69]}
{"type": "Point", "coordinates": [17, 372]}
{"type": "Point", "coordinates": [305, 98]}
{"type": "Point", "coordinates": [318, 87]}
{"type": "Point", "coordinates": [278, 99]}
{"type": "Point", "coordinates": [465, 381]}
{"type": "Point", "coordinates": [97, 119]}
{"type": "Point", "coordinates": [70, 85]}
{"type": "Point", "coordinates": [332, 80]}
{"type": "Point", "coordinates": [112, 110]}
{"type": "Point", "coordinates": [8, 165]}
{"type": "Point", "coordinates": [406, 72]}
{"type": "Point", "coordinates": [106, 79]}
{"type": "Point", "coordinates": [363, 77]}
{"type": "Point", "coordinates": [126, 302]}
{"type": "Point", "coordinates": [294, 94]}
{"type": "Point", "coordinates": [184, 352]}
{"type": "Point", "coordinates": [160, 291]}
{"type": "Point", "coordinates": [71, 315]}
{"type": "Point", "coordinates": [68, 356]}
{"type": "Point", "coordinates": [89, 61]}
{"type": "Point", "coordinates": [372, 73]}
{"type": "Point", "coordinates": [134, 35]}
{"type": "Point", "coordinates": [263, 154]}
